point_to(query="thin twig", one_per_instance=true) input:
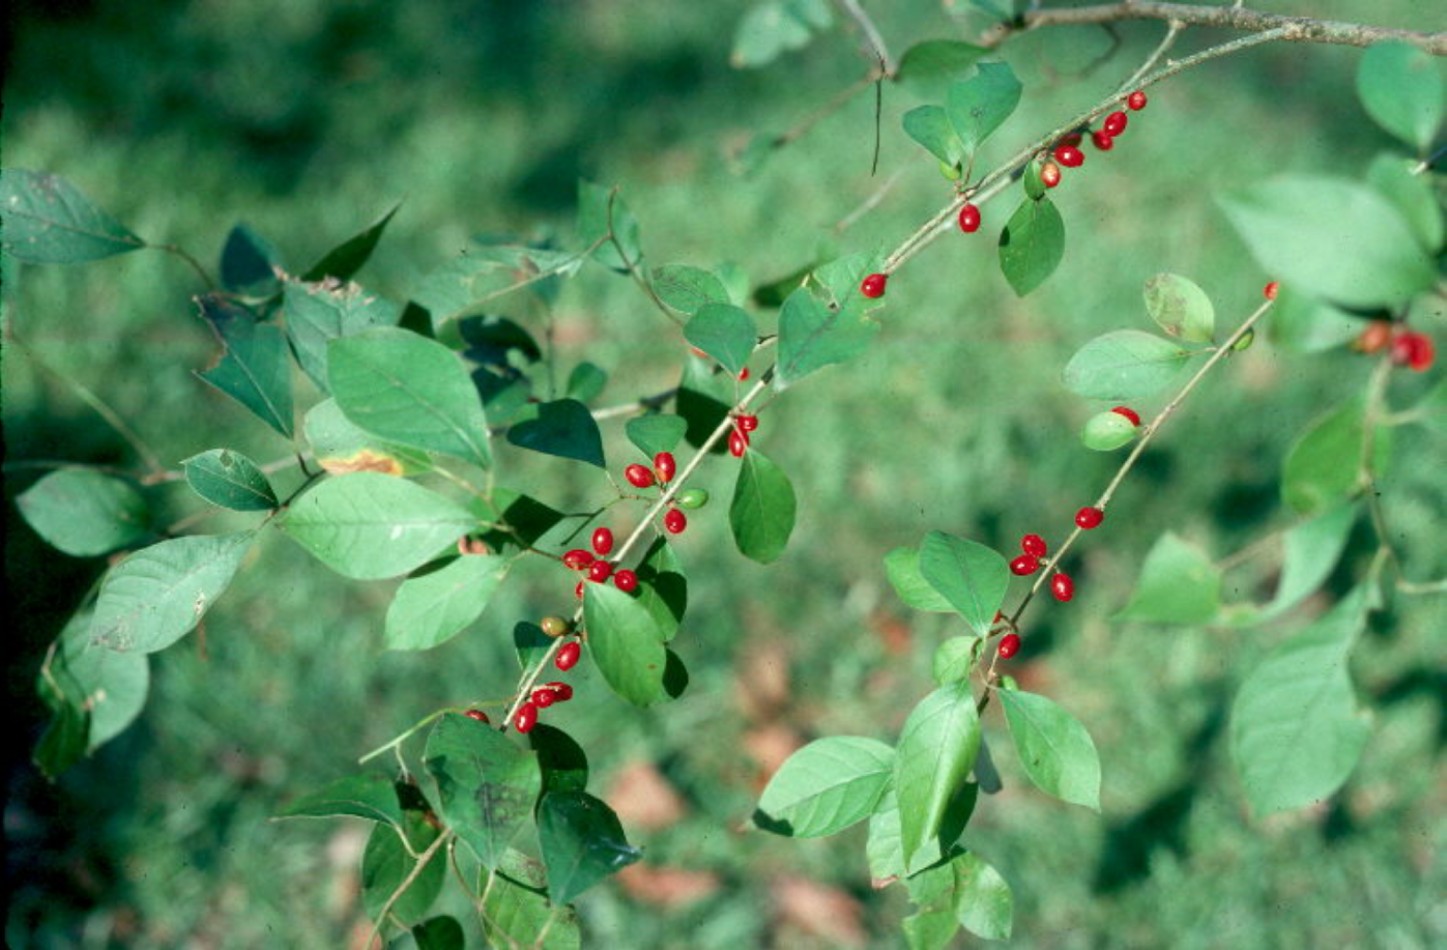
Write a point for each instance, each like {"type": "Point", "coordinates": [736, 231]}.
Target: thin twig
{"type": "Point", "coordinates": [877, 50]}
{"type": "Point", "coordinates": [422, 861]}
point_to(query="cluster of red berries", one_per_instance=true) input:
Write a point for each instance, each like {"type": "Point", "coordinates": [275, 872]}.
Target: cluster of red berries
{"type": "Point", "coordinates": [597, 565]}
{"type": "Point", "coordinates": [1408, 348]}
{"type": "Point", "coordinates": [1033, 549]}
{"type": "Point", "coordinates": [527, 715]}
{"type": "Point", "coordinates": [739, 434]}
{"type": "Point", "coordinates": [1067, 151]}
{"type": "Point", "coordinates": [664, 468]}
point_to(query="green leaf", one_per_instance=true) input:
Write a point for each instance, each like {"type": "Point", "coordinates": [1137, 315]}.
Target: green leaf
{"type": "Point", "coordinates": [983, 900]}
{"type": "Point", "coordinates": [158, 594]}
{"type": "Point", "coordinates": [341, 448]}
{"type": "Point", "coordinates": [625, 643]}
{"type": "Point", "coordinates": [773, 27]}
{"type": "Point", "coordinates": [979, 105]}
{"type": "Point", "coordinates": [686, 288]}
{"type": "Point", "coordinates": [654, 433]}
{"type": "Point", "coordinates": [344, 260]}
{"type": "Point", "coordinates": [530, 643]}
{"type": "Point", "coordinates": [1332, 237]}
{"type": "Point", "coordinates": [253, 367]}
{"type": "Point", "coordinates": [1411, 195]}
{"type": "Point", "coordinates": [230, 480]}
{"type": "Point", "coordinates": [1322, 468]}
{"type": "Point", "coordinates": [1301, 322]}
{"type": "Point", "coordinates": [1180, 308]}
{"type": "Point", "coordinates": [520, 915]}
{"type": "Point", "coordinates": [486, 785]}
{"type": "Point", "coordinates": [84, 512]}
{"type": "Point", "coordinates": [663, 589]}
{"type": "Point", "coordinates": [386, 865]}
{"type": "Point", "coordinates": [971, 576]}
{"type": "Point", "coordinates": [563, 427]}
{"type": "Point", "coordinates": [431, 608]}
{"type": "Point", "coordinates": [703, 400]}
{"type": "Point", "coordinates": [318, 313]}
{"type": "Point", "coordinates": [1296, 733]}
{"type": "Point", "coordinates": [369, 526]}
{"type": "Point", "coordinates": [582, 843]}
{"type": "Point", "coordinates": [930, 127]}
{"type": "Point", "coordinates": [440, 933]}
{"type": "Point", "coordinates": [813, 336]}
{"type": "Point", "coordinates": [937, 747]}
{"type": "Point", "coordinates": [49, 221]}
{"type": "Point", "coordinates": [763, 508]}
{"type": "Point", "coordinates": [825, 787]}
{"type": "Point", "coordinates": [1054, 748]}
{"type": "Point", "coordinates": [564, 764]}
{"type": "Point", "coordinates": [249, 263]}
{"type": "Point", "coordinates": [1401, 89]}
{"type": "Point", "coordinates": [109, 687]}
{"type": "Point", "coordinates": [1178, 584]}
{"type": "Point", "coordinates": [927, 69]}
{"type": "Point", "coordinates": [603, 217]}
{"type": "Point", "coordinates": [410, 390]}
{"type": "Point", "coordinates": [520, 519]}
{"type": "Point", "coordinates": [902, 567]}
{"type": "Point", "coordinates": [1032, 244]}
{"type": "Point", "coordinates": [1312, 549]}
{"type": "Point", "coordinates": [370, 795]}
{"type": "Point", "coordinates": [954, 658]}
{"type": "Point", "coordinates": [1124, 364]}
{"type": "Point", "coordinates": [586, 382]}
{"type": "Point", "coordinates": [725, 332]}
{"type": "Point", "coordinates": [496, 278]}
{"type": "Point", "coordinates": [64, 741]}
{"type": "Point", "coordinates": [1107, 431]}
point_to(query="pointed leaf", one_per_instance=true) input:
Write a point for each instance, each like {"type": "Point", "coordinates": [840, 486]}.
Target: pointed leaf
{"type": "Point", "coordinates": [902, 566]}
{"type": "Point", "coordinates": [971, 576]}
{"type": "Point", "coordinates": [318, 313]}
{"type": "Point", "coordinates": [582, 843]}
{"type": "Point", "coordinates": [927, 69]}
{"type": "Point", "coordinates": [564, 764]}
{"type": "Point", "coordinates": [1180, 308]}
{"type": "Point", "coordinates": [253, 367]}
{"type": "Point", "coordinates": [1323, 467]}
{"type": "Point", "coordinates": [1054, 748]}
{"type": "Point", "coordinates": [1296, 733]}
{"type": "Point", "coordinates": [604, 220]}
{"type": "Point", "coordinates": [386, 866]}
{"type": "Point", "coordinates": [937, 747]}
{"type": "Point", "coordinates": [763, 508]}
{"type": "Point", "coordinates": [369, 526]}
{"type": "Point", "coordinates": [983, 903]}
{"type": "Point", "coordinates": [979, 105]}
{"type": "Point", "coordinates": [563, 427]}
{"type": "Point", "coordinates": [410, 390]}
{"type": "Point", "coordinates": [109, 687]}
{"type": "Point", "coordinates": [344, 260]}
{"type": "Point", "coordinates": [1335, 238]}
{"type": "Point", "coordinates": [341, 448]}
{"type": "Point", "coordinates": [371, 795]}
{"type": "Point", "coordinates": [249, 263]}
{"type": "Point", "coordinates": [656, 433]}
{"type": "Point", "coordinates": [1312, 549]}
{"type": "Point", "coordinates": [49, 221]}
{"type": "Point", "coordinates": [626, 644]}
{"type": "Point", "coordinates": [1178, 584]}
{"type": "Point", "coordinates": [725, 332]}
{"type": "Point", "coordinates": [84, 512]}
{"type": "Point", "coordinates": [703, 400]}
{"type": "Point", "coordinates": [158, 594]}
{"type": "Point", "coordinates": [813, 336]}
{"type": "Point", "coordinates": [440, 933]}
{"type": "Point", "coordinates": [1124, 364]}
{"type": "Point", "coordinates": [493, 279]}
{"type": "Point", "coordinates": [429, 609]}
{"type": "Point", "coordinates": [1411, 194]}
{"type": "Point", "coordinates": [686, 288]}
{"type": "Point", "coordinates": [486, 785]}
{"type": "Point", "coordinates": [930, 127]}
{"type": "Point", "coordinates": [663, 588]}
{"type": "Point", "coordinates": [230, 480]}
{"type": "Point", "coordinates": [519, 915]}
{"type": "Point", "coordinates": [1401, 89]}
{"type": "Point", "coordinates": [1032, 244]}
{"type": "Point", "coordinates": [825, 787]}
{"type": "Point", "coordinates": [586, 382]}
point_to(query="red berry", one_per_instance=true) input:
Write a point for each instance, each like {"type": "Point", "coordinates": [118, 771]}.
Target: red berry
{"type": "Point", "coordinates": [477, 715]}
{"type": "Point", "coordinates": [1413, 350]}
{"type": "Point", "coordinates": [562, 692]}
{"type": "Point", "coordinates": [743, 374]}
{"type": "Point", "coordinates": [1103, 141]}
{"type": "Point", "coordinates": [1070, 156]}
{"type": "Point", "coordinates": [873, 285]}
{"type": "Point", "coordinates": [600, 571]}
{"type": "Point", "coordinates": [1050, 174]}
{"type": "Point", "coordinates": [1375, 337]}
{"type": "Point", "coordinates": [748, 423]}
{"type": "Point", "coordinates": [1062, 587]}
{"type": "Point", "coordinates": [1088, 518]}
{"type": "Point", "coordinates": [1136, 101]}
{"type": "Point", "coordinates": [639, 476]}
{"type": "Point", "coordinates": [1033, 545]}
{"type": "Point", "coordinates": [578, 559]}
{"type": "Point", "coordinates": [526, 718]}
{"type": "Point", "coordinates": [664, 466]}
{"type": "Point", "coordinates": [738, 443]}
{"type": "Point", "coordinates": [578, 590]}
{"type": "Point", "coordinates": [675, 521]}
{"type": "Point", "coordinates": [602, 540]}
{"type": "Point", "coordinates": [1025, 565]}
{"type": "Point", "coordinates": [1115, 124]}
{"type": "Point", "coordinates": [969, 219]}
{"type": "Point", "coordinates": [543, 698]}
{"type": "Point", "coordinates": [567, 656]}
{"type": "Point", "coordinates": [1129, 413]}
{"type": "Point", "coordinates": [1009, 645]}
{"type": "Point", "coordinates": [626, 581]}
{"type": "Point", "coordinates": [1072, 138]}
{"type": "Point", "coordinates": [1270, 290]}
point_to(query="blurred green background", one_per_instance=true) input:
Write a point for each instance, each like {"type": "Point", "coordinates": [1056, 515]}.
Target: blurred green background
{"type": "Point", "coordinates": [308, 119]}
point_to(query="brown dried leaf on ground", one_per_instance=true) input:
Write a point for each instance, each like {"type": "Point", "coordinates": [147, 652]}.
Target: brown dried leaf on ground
{"type": "Point", "coordinates": [769, 746]}
{"type": "Point", "coordinates": [762, 684]}
{"type": "Point", "coordinates": [818, 910]}
{"type": "Point", "coordinates": [643, 798]}
{"type": "Point", "coordinates": [665, 886]}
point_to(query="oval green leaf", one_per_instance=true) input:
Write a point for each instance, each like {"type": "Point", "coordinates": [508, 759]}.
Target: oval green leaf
{"type": "Point", "coordinates": [1054, 748]}
{"type": "Point", "coordinates": [902, 567]}
{"type": "Point", "coordinates": [686, 288]}
{"type": "Point", "coordinates": [1323, 467]}
{"type": "Point", "coordinates": [563, 427]}
{"type": "Point", "coordinates": [486, 785]}
{"type": "Point", "coordinates": [626, 644]}
{"type": "Point", "coordinates": [813, 335]}
{"type": "Point", "coordinates": [660, 432]}
{"type": "Point", "coordinates": [84, 512]}
{"type": "Point", "coordinates": [429, 609]}
{"type": "Point", "coordinates": [110, 687]}
{"type": "Point", "coordinates": [927, 69]}
{"type": "Point", "coordinates": [725, 332]}
{"type": "Point", "coordinates": [825, 787]}
{"type": "Point", "coordinates": [1032, 244]}
{"type": "Point", "coordinates": [937, 748]}
{"type": "Point", "coordinates": [1401, 89]}
{"type": "Point", "coordinates": [763, 508]}
{"type": "Point", "coordinates": [930, 127]}
{"type": "Point", "coordinates": [971, 576]}
{"type": "Point", "coordinates": [230, 480]}
{"type": "Point", "coordinates": [979, 105]}
{"type": "Point", "coordinates": [370, 795]}
{"type": "Point", "coordinates": [1178, 584]}
{"type": "Point", "coordinates": [582, 843]}
{"type": "Point", "coordinates": [1124, 364]}
{"type": "Point", "coordinates": [1180, 307]}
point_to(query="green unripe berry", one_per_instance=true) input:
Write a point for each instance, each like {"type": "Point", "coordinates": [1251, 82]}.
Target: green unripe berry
{"type": "Point", "coordinates": [691, 498]}
{"type": "Point", "coordinates": [1107, 430]}
{"type": "Point", "coordinates": [1246, 340]}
